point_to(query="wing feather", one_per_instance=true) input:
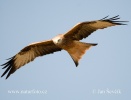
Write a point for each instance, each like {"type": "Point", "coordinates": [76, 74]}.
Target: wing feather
{"type": "Point", "coordinates": [84, 29]}
{"type": "Point", "coordinates": [28, 54]}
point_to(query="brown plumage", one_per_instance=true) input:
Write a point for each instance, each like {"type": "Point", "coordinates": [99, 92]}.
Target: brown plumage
{"type": "Point", "coordinates": [68, 41]}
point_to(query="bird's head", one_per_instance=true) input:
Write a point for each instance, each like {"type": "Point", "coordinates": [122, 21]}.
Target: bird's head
{"type": "Point", "coordinates": [58, 39]}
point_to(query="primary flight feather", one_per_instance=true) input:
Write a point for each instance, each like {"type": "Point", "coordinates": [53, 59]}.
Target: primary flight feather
{"type": "Point", "coordinates": [68, 41]}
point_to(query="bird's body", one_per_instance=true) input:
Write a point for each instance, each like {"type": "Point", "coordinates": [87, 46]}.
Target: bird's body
{"type": "Point", "coordinates": [74, 47]}
{"type": "Point", "coordinates": [69, 41]}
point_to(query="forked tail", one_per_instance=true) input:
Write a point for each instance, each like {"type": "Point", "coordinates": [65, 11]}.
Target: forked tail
{"type": "Point", "coordinates": [78, 50]}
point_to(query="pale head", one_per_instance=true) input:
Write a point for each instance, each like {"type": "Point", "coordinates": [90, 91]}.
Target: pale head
{"type": "Point", "coordinates": [58, 39]}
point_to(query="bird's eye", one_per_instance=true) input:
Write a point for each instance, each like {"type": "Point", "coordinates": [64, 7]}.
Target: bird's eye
{"type": "Point", "coordinates": [59, 40]}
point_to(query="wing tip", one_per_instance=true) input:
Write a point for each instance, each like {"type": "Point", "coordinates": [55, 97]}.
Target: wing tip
{"type": "Point", "coordinates": [114, 20]}
{"type": "Point", "coordinates": [9, 67]}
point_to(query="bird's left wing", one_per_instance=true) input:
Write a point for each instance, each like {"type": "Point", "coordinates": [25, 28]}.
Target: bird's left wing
{"type": "Point", "coordinates": [28, 54]}
{"type": "Point", "coordinates": [84, 29]}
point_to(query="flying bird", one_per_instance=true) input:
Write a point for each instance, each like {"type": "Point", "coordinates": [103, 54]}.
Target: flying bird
{"type": "Point", "coordinates": [70, 42]}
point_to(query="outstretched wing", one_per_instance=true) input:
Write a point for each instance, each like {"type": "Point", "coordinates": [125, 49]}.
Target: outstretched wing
{"type": "Point", "coordinates": [28, 54]}
{"type": "Point", "coordinates": [84, 29]}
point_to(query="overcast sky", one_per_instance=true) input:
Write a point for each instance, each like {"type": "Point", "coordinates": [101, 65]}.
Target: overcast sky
{"type": "Point", "coordinates": [103, 70]}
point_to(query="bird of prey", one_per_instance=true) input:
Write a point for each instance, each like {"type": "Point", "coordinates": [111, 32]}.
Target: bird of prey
{"type": "Point", "coordinates": [70, 42]}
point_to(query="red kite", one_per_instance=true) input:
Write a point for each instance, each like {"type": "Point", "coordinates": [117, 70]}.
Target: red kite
{"type": "Point", "coordinates": [68, 41]}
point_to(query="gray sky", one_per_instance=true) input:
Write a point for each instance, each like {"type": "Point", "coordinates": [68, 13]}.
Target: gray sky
{"type": "Point", "coordinates": [102, 69]}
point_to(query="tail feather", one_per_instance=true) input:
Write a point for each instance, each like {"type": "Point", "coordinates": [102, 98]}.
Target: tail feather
{"type": "Point", "coordinates": [78, 50]}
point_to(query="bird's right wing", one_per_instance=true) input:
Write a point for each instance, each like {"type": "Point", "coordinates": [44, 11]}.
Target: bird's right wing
{"type": "Point", "coordinates": [28, 54]}
{"type": "Point", "coordinates": [84, 29]}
